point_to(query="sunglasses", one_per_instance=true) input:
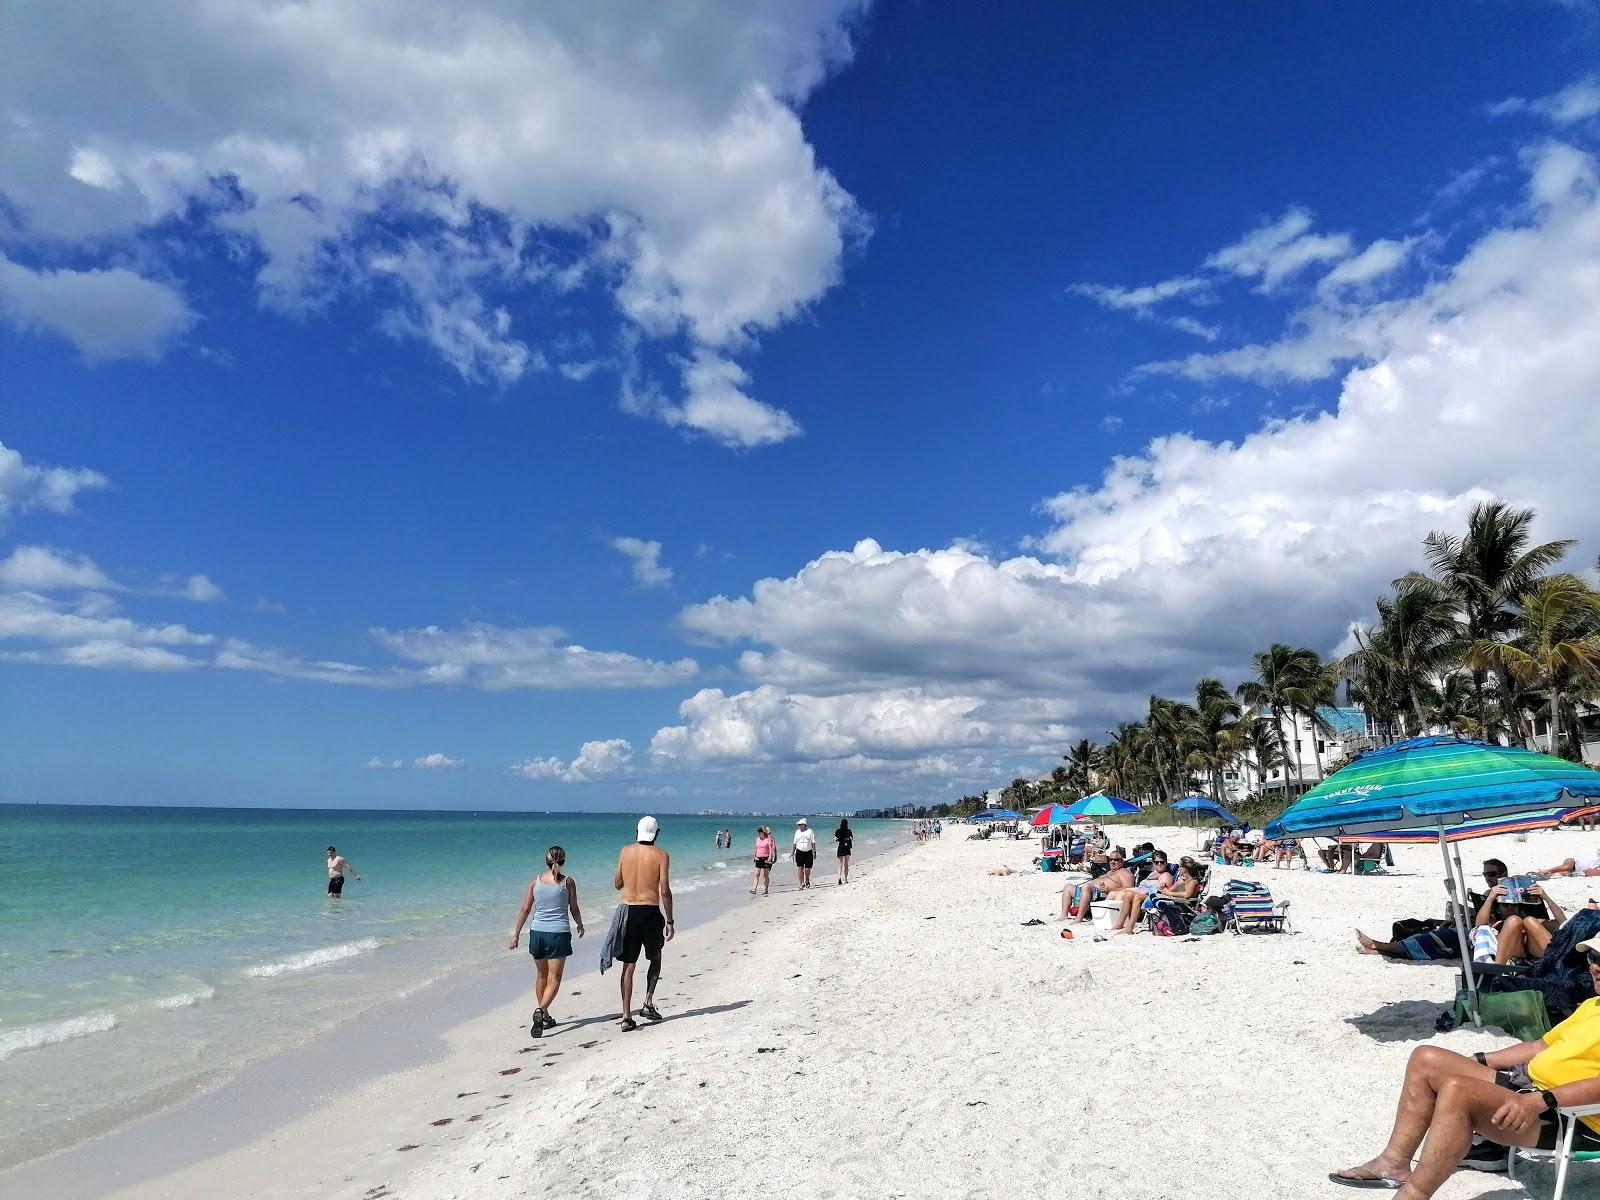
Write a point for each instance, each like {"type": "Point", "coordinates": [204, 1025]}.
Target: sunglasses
{"type": "Point", "coordinates": [1594, 958]}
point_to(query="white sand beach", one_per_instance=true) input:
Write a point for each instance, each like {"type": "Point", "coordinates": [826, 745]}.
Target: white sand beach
{"type": "Point", "coordinates": [908, 1036]}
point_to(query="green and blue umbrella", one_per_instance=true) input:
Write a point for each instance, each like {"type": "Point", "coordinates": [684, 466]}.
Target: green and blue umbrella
{"type": "Point", "coordinates": [1099, 806]}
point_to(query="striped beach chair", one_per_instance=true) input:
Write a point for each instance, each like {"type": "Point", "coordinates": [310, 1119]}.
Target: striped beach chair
{"type": "Point", "coordinates": [1251, 909]}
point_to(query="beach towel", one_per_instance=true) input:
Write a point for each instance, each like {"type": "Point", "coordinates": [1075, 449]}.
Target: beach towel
{"type": "Point", "coordinates": [1485, 943]}
{"type": "Point", "coordinates": [613, 939]}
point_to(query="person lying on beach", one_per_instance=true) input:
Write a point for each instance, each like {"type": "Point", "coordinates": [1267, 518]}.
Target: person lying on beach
{"type": "Point", "coordinates": [1589, 864]}
{"type": "Point", "coordinates": [1508, 1097]}
{"type": "Point", "coordinates": [1002, 869]}
{"type": "Point", "coordinates": [1080, 895]}
{"type": "Point", "coordinates": [1518, 935]}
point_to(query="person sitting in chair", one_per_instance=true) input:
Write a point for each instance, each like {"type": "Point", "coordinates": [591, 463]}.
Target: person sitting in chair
{"type": "Point", "coordinates": [1508, 1097]}
{"type": "Point", "coordinates": [1081, 895]}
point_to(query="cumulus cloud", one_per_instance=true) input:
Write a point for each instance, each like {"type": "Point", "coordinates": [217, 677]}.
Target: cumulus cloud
{"type": "Point", "coordinates": [436, 762]}
{"type": "Point", "coordinates": [1188, 556]}
{"type": "Point", "coordinates": [595, 761]}
{"type": "Point", "coordinates": [448, 165]}
{"type": "Point", "coordinates": [105, 313]}
{"type": "Point", "coordinates": [25, 486]}
{"type": "Point", "coordinates": [646, 558]}
{"type": "Point", "coordinates": [40, 569]}
{"type": "Point", "coordinates": [202, 590]}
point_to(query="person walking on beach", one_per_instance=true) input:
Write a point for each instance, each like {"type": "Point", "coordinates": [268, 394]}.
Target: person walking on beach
{"type": "Point", "coordinates": [338, 864]}
{"type": "Point", "coordinates": [804, 852]}
{"type": "Point", "coordinates": [846, 838]}
{"type": "Point", "coordinates": [766, 854]}
{"type": "Point", "coordinates": [643, 879]}
{"type": "Point", "coordinates": [550, 897]}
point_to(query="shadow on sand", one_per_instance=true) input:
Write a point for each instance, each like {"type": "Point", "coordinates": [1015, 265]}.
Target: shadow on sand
{"type": "Point", "coordinates": [1401, 1021]}
{"type": "Point", "coordinates": [710, 1010]}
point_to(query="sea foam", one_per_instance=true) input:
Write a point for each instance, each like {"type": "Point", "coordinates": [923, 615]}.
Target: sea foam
{"type": "Point", "coordinates": [185, 999]}
{"type": "Point", "coordinates": [313, 958]}
{"type": "Point", "coordinates": [31, 1037]}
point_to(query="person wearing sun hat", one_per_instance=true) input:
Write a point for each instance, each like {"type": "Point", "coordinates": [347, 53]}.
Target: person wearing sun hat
{"type": "Point", "coordinates": [642, 878]}
{"type": "Point", "coordinates": [1509, 1097]}
{"type": "Point", "coordinates": [803, 851]}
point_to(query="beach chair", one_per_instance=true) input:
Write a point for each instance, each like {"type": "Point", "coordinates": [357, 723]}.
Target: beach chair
{"type": "Point", "coordinates": [1251, 909]}
{"type": "Point", "coordinates": [1564, 1154]}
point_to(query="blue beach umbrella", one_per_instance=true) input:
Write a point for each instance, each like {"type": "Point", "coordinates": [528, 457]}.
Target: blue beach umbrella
{"type": "Point", "coordinates": [997, 814]}
{"type": "Point", "coordinates": [1100, 806]}
{"type": "Point", "coordinates": [1203, 804]}
{"type": "Point", "coordinates": [1436, 783]}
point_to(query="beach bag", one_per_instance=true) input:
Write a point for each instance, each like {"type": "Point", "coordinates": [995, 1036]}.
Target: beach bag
{"type": "Point", "coordinates": [1160, 926]}
{"type": "Point", "coordinates": [1206, 922]}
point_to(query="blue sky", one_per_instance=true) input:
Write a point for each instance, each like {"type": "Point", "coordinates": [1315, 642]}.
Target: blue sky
{"type": "Point", "coordinates": [340, 409]}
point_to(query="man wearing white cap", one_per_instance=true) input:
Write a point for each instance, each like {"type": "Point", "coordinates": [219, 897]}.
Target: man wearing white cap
{"type": "Point", "coordinates": [642, 878]}
{"type": "Point", "coordinates": [804, 851]}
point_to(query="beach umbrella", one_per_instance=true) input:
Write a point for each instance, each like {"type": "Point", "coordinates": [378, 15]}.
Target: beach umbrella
{"type": "Point", "coordinates": [998, 814]}
{"type": "Point", "coordinates": [1436, 783]}
{"type": "Point", "coordinates": [1203, 804]}
{"type": "Point", "coordinates": [1051, 814]}
{"type": "Point", "coordinates": [1099, 806]}
{"type": "Point", "coordinates": [1489, 827]}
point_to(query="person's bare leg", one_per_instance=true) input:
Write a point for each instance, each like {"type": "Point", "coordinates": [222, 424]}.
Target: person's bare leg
{"type": "Point", "coordinates": [1371, 946]}
{"type": "Point", "coordinates": [1086, 905]}
{"type": "Point", "coordinates": [1068, 891]}
{"type": "Point", "coordinates": [1427, 1071]}
{"type": "Point", "coordinates": [552, 983]}
{"type": "Point", "coordinates": [627, 990]}
{"type": "Point", "coordinates": [1536, 936]}
{"type": "Point", "coordinates": [1464, 1107]}
{"type": "Point", "coordinates": [541, 968]}
{"type": "Point", "coordinates": [1513, 940]}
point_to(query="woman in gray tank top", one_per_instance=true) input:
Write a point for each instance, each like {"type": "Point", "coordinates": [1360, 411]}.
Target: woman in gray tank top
{"type": "Point", "coordinates": [550, 898]}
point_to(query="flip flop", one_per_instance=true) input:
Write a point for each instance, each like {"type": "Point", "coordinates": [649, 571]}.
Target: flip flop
{"type": "Point", "coordinates": [1358, 1178]}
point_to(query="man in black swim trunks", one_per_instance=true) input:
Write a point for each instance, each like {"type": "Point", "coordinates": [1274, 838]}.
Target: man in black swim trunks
{"type": "Point", "coordinates": [338, 864]}
{"type": "Point", "coordinates": [642, 878]}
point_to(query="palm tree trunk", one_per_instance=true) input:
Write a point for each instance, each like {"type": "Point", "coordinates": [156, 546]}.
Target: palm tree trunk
{"type": "Point", "coordinates": [1314, 748]}
{"type": "Point", "coordinates": [1299, 766]}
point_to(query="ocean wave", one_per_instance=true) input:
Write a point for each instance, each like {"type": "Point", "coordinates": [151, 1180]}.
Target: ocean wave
{"type": "Point", "coordinates": [313, 958]}
{"type": "Point", "coordinates": [31, 1037]}
{"type": "Point", "coordinates": [185, 999]}
{"type": "Point", "coordinates": [719, 866]}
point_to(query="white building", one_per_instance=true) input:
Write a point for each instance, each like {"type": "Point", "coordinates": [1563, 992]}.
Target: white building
{"type": "Point", "coordinates": [1314, 752]}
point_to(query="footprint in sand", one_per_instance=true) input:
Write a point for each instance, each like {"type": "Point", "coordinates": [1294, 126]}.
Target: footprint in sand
{"type": "Point", "coordinates": [587, 1045]}
{"type": "Point", "coordinates": [441, 1121]}
{"type": "Point", "coordinates": [474, 1117]}
{"type": "Point", "coordinates": [510, 1070]}
{"type": "Point", "coordinates": [504, 1096]}
{"type": "Point", "coordinates": [409, 1146]}
{"type": "Point", "coordinates": [464, 1095]}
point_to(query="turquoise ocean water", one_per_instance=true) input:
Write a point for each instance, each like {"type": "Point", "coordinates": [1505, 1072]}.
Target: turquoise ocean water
{"type": "Point", "coordinates": [155, 950]}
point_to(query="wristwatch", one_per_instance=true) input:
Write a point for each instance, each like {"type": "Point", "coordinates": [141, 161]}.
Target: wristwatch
{"type": "Point", "coordinates": [1479, 1057]}
{"type": "Point", "coordinates": [1550, 1100]}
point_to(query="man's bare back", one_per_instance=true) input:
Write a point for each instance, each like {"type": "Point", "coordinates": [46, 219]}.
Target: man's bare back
{"type": "Point", "coordinates": [642, 876]}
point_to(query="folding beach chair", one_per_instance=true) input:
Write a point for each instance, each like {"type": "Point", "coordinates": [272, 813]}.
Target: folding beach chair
{"type": "Point", "coordinates": [1251, 909]}
{"type": "Point", "coordinates": [1564, 1153]}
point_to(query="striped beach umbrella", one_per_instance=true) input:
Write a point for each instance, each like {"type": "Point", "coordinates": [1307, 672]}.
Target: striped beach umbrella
{"type": "Point", "coordinates": [1439, 784]}
{"type": "Point", "coordinates": [1051, 814]}
{"type": "Point", "coordinates": [1490, 827]}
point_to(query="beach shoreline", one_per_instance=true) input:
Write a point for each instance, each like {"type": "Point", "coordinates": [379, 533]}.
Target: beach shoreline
{"type": "Point", "coordinates": [380, 1060]}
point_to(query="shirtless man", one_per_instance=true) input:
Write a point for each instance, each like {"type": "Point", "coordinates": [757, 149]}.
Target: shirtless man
{"type": "Point", "coordinates": [1589, 864]}
{"type": "Point", "coordinates": [1114, 880]}
{"type": "Point", "coordinates": [642, 878]}
{"type": "Point", "coordinates": [338, 864]}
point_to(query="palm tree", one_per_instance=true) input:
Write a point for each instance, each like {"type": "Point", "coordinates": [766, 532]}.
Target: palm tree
{"type": "Point", "coordinates": [1213, 741]}
{"type": "Point", "coordinates": [1483, 573]}
{"type": "Point", "coordinates": [1411, 645]}
{"type": "Point", "coordinates": [1557, 650]}
{"type": "Point", "coordinates": [1260, 743]}
{"type": "Point", "coordinates": [1282, 686]}
{"type": "Point", "coordinates": [1083, 760]}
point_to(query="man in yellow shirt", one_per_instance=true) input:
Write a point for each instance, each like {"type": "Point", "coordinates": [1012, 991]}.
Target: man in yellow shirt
{"type": "Point", "coordinates": [1509, 1097]}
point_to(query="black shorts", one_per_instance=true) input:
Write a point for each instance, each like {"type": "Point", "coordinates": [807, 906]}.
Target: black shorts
{"type": "Point", "coordinates": [336, 885]}
{"type": "Point", "coordinates": [804, 858]}
{"type": "Point", "coordinates": [763, 863]}
{"type": "Point", "coordinates": [645, 929]}
{"type": "Point", "coordinates": [1516, 1079]}
{"type": "Point", "coordinates": [844, 849]}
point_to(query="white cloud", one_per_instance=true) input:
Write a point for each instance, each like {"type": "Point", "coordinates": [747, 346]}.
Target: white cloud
{"type": "Point", "coordinates": [1576, 102]}
{"type": "Point", "coordinates": [1275, 251]}
{"type": "Point", "coordinates": [1186, 558]}
{"type": "Point", "coordinates": [493, 658]}
{"type": "Point", "coordinates": [383, 764]}
{"type": "Point", "coordinates": [1376, 261]}
{"type": "Point", "coordinates": [40, 569]}
{"type": "Point", "coordinates": [30, 616]}
{"type": "Point", "coordinates": [436, 762]}
{"type": "Point", "coordinates": [595, 761]}
{"type": "Point", "coordinates": [105, 313]}
{"type": "Point", "coordinates": [450, 165]}
{"type": "Point", "coordinates": [646, 558]}
{"type": "Point", "coordinates": [24, 486]}
{"type": "Point", "coordinates": [1140, 299]}
{"type": "Point", "coordinates": [201, 590]}
{"type": "Point", "coordinates": [1199, 329]}
{"type": "Point", "coordinates": [714, 404]}
{"type": "Point", "coordinates": [106, 655]}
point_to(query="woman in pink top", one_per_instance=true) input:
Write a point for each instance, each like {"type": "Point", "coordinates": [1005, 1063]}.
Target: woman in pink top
{"type": "Point", "coordinates": [766, 854]}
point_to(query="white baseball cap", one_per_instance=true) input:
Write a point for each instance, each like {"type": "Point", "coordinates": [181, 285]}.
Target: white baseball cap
{"type": "Point", "coordinates": [801, 821]}
{"type": "Point", "coordinates": [648, 828]}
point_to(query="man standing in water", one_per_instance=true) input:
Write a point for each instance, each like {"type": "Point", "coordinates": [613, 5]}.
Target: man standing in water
{"type": "Point", "coordinates": [338, 864]}
{"type": "Point", "coordinates": [804, 851]}
{"type": "Point", "coordinates": [642, 878]}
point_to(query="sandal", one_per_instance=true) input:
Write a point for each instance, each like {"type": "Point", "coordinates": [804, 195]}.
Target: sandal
{"type": "Point", "coordinates": [629, 1024]}
{"type": "Point", "coordinates": [649, 1013]}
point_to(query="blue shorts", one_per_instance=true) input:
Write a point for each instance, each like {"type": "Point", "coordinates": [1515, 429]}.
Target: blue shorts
{"type": "Point", "coordinates": [549, 945]}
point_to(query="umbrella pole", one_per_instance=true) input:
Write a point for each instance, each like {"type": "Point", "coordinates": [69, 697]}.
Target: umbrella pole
{"type": "Point", "coordinates": [1455, 884]}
